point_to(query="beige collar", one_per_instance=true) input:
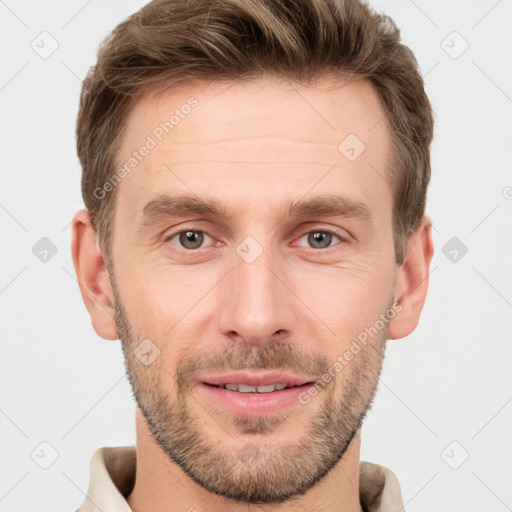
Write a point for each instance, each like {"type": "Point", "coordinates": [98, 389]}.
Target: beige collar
{"type": "Point", "coordinates": [113, 476]}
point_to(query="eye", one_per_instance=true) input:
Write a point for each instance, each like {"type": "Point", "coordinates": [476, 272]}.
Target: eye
{"type": "Point", "coordinates": [189, 239]}
{"type": "Point", "coordinates": [193, 239]}
{"type": "Point", "coordinates": [320, 238]}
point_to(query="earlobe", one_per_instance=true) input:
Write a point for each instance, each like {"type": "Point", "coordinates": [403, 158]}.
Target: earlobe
{"type": "Point", "coordinates": [92, 276]}
{"type": "Point", "coordinates": [412, 279]}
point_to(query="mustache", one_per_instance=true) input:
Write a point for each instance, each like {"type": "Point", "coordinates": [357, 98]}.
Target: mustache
{"type": "Point", "coordinates": [276, 355]}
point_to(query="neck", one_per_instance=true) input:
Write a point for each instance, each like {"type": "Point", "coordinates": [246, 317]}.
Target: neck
{"type": "Point", "coordinates": [162, 486]}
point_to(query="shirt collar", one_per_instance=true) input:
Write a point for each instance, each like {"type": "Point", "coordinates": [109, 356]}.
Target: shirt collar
{"type": "Point", "coordinates": [113, 477]}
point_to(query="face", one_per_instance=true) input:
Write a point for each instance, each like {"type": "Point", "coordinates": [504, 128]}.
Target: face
{"type": "Point", "coordinates": [250, 253]}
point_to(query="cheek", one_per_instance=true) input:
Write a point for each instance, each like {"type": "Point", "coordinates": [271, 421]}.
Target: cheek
{"type": "Point", "coordinates": [347, 299]}
{"type": "Point", "coordinates": [177, 306]}
{"type": "Point", "coordinates": [167, 303]}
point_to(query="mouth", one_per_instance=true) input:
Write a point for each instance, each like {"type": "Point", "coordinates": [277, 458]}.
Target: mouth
{"type": "Point", "coordinates": [255, 394]}
{"type": "Point", "coordinates": [245, 388]}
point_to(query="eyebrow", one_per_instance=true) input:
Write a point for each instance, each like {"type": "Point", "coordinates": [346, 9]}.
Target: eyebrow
{"type": "Point", "coordinates": [329, 205]}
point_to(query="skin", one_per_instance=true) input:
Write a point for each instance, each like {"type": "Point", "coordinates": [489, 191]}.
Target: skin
{"type": "Point", "coordinates": [256, 147]}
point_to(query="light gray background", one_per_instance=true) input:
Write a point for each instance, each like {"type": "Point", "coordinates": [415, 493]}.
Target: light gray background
{"type": "Point", "coordinates": [449, 381]}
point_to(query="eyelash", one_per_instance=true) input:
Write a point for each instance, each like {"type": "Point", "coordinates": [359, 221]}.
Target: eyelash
{"type": "Point", "coordinates": [325, 231]}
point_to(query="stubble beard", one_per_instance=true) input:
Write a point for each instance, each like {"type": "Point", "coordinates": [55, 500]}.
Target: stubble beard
{"type": "Point", "coordinates": [250, 468]}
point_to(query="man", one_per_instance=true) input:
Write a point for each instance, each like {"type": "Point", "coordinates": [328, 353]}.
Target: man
{"type": "Point", "coordinates": [255, 177]}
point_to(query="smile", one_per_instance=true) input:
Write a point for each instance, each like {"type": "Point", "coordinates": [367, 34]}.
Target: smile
{"type": "Point", "coordinates": [254, 393]}
{"type": "Point", "coordinates": [244, 388]}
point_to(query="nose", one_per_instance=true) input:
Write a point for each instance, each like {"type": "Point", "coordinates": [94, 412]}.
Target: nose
{"type": "Point", "coordinates": [257, 305]}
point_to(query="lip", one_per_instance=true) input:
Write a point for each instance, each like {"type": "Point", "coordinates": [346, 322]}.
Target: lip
{"type": "Point", "coordinates": [254, 404]}
{"type": "Point", "coordinates": [257, 379]}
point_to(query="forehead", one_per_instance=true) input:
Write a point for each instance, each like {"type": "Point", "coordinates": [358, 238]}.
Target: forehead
{"type": "Point", "coordinates": [246, 140]}
{"type": "Point", "coordinates": [324, 113]}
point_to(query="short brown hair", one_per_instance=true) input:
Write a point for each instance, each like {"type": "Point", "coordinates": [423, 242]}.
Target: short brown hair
{"type": "Point", "coordinates": [169, 42]}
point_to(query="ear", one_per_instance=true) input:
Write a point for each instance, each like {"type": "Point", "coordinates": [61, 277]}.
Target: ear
{"type": "Point", "coordinates": [92, 276]}
{"type": "Point", "coordinates": [411, 283]}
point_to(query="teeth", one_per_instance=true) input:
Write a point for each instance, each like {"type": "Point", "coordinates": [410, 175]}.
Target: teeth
{"type": "Point", "coordinates": [243, 388]}
{"type": "Point", "coordinates": [266, 389]}
{"type": "Point", "coordinates": [246, 389]}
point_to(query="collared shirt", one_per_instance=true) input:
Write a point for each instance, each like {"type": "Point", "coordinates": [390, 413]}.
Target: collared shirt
{"type": "Point", "coordinates": [113, 477]}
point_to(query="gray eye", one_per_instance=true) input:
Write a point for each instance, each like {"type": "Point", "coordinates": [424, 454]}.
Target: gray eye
{"type": "Point", "coordinates": [320, 239]}
{"type": "Point", "coordinates": [191, 239]}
